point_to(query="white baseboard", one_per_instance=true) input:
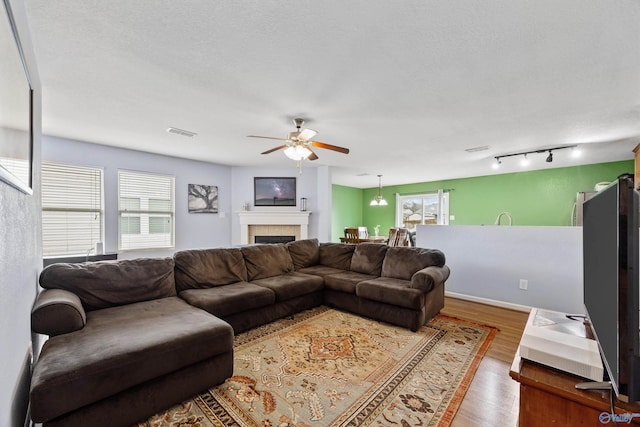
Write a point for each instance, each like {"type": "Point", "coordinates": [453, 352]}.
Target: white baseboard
{"type": "Point", "coordinates": [502, 304]}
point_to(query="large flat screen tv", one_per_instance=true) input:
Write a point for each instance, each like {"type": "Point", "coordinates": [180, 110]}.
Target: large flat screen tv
{"type": "Point", "coordinates": [611, 295]}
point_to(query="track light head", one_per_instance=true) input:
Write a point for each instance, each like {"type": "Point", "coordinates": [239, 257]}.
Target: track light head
{"type": "Point", "coordinates": [549, 157]}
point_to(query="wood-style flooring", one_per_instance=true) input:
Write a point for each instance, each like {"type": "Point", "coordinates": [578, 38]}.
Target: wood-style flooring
{"type": "Point", "coordinates": [492, 399]}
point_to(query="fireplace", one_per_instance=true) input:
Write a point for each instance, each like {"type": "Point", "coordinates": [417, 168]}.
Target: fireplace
{"type": "Point", "coordinates": [274, 239]}
{"type": "Point", "coordinates": [273, 223]}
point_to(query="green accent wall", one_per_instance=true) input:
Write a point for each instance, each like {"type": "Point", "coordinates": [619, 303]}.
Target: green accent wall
{"type": "Point", "coordinates": [541, 197]}
{"type": "Point", "coordinates": [347, 210]}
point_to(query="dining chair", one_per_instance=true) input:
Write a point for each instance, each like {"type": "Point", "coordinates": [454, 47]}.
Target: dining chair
{"type": "Point", "coordinates": [351, 235]}
{"type": "Point", "coordinates": [398, 237]}
{"type": "Point", "coordinates": [363, 233]}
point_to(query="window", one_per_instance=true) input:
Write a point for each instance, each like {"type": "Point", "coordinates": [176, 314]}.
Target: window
{"type": "Point", "coordinates": [72, 209]}
{"type": "Point", "coordinates": [428, 208]}
{"type": "Point", "coordinates": [145, 210]}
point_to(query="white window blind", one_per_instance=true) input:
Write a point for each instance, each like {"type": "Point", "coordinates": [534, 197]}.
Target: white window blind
{"type": "Point", "coordinates": [146, 209]}
{"type": "Point", "coordinates": [72, 209]}
{"type": "Point", "coordinates": [18, 167]}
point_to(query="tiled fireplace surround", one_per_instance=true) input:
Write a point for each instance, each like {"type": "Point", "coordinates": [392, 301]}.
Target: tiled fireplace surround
{"type": "Point", "coordinates": [273, 223]}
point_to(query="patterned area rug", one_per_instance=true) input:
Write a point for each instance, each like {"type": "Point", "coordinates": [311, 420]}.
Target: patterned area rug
{"type": "Point", "coordinates": [324, 367]}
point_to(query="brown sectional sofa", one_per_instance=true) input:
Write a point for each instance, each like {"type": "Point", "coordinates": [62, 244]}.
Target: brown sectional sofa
{"type": "Point", "coordinates": [131, 338]}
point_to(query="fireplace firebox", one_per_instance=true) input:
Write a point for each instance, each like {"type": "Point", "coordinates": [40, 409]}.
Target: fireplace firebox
{"type": "Point", "coordinates": [274, 239]}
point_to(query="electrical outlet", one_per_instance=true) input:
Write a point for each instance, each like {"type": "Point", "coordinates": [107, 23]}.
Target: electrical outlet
{"type": "Point", "coordinates": [452, 217]}
{"type": "Point", "coordinates": [524, 284]}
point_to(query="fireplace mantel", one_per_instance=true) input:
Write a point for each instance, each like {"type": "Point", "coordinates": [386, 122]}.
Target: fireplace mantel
{"type": "Point", "coordinates": [276, 217]}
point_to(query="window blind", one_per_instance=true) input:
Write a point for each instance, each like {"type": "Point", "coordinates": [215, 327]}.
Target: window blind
{"type": "Point", "coordinates": [72, 209]}
{"type": "Point", "coordinates": [146, 209]}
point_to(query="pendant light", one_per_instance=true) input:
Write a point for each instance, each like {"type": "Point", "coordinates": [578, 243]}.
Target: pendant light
{"type": "Point", "coordinates": [379, 200]}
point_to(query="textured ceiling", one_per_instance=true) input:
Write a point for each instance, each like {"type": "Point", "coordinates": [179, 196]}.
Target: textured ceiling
{"type": "Point", "coordinates": [406, 85]}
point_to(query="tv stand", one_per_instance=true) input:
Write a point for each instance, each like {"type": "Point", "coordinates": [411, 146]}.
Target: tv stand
{"type": "Point", "coordinates": [549, 396]}
{"type": "Point", "coordinates": [594, 385]}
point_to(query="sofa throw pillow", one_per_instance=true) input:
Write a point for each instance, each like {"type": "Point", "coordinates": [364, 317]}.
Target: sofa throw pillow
{"type": "Point", "coordinates": [105, 284]}
{"type": "Point", "coordinates": [264, 261]}
{"type": "Point", "coordinates": [336, 255]}
{"type": "Point", "coordinates": [206, 268]}
{"type": "Point", "coordinates": [402, 262]}
{"type": "Point", "coordinates": [368, 257]}
{"type": "Point", "coordinates": [304, 253]}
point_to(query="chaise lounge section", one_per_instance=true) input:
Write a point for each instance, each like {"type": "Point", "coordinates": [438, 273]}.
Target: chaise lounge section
{"type": "Point", "coordinates": [122, 345]}
{"type": "Point", "coordinates": [131, 338]}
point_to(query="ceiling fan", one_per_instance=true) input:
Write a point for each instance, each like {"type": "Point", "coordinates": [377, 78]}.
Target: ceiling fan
{"type": "Point", "coordinates": [298, 144]}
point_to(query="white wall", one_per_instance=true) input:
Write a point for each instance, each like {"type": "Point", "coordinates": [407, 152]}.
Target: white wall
{"type": "Point", "coordinates": [20, 261]}
{"type": "Point", "coordinates": [192, 230]}
{"type": "Point", "coordinates": [489, 261]}
{"type": "Point", "coordinates": [306, 186]}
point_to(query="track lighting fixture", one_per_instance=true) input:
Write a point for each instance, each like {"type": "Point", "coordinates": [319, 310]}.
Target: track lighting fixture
{"type": "Point", "coordinates": [525, 160]}
{"type": "Point", "coordinates": [549, 158]}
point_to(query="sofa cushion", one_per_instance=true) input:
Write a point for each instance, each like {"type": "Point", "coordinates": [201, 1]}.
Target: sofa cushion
{"type": "Point", "coordinates": [320, 270]}
{"type": "Point", "coordinates": [264, 261]}
{"type": "Point", "coordinates": [121, 347]}
{"type": "Point", "coordinates": [105, 284]}
{"type": "Point", "coordinates": [368, 257]}
{"type": "Point", "coordinates": [402, 262]}
{"type": "Point", "coordinates": [336, 255]}
{"type": "Point", "coordinates": [57, 312]}
{"type": "Point", "coordinates": [304, 253]}
{"type": "Point", "coordinates": [205, 268]}
{"type": "Point", "coordinates": [229, 299]}
{"type": "Point", "coordinates": [346, 281]}
{"type": "Point", "coordinates": [291, 285]}
{"type": "Point", "coordinates": [391, 291]}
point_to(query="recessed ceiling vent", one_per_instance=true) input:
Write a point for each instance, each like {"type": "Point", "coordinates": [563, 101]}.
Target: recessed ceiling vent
{"type": "Point", "coordinates": [476, 149]}
{"type": "Point", "coordinates": [182, 132]}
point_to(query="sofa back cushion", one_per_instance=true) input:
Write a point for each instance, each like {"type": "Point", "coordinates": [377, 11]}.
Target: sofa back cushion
{"type": "Point", "coordinates": [206, 268]}
{"type": "Point", "coordinates": [402, 262]}
{"type": "Point", "coordinates": [304, 253]}
{"type": "Point", "coordinates": [264, 261]}
{"type": "Point", "coordinates": [368, 257]}
{"type": "Point", "coordinates": [105, 284]}
{"type": "Point", "coordinates": [336, 255]}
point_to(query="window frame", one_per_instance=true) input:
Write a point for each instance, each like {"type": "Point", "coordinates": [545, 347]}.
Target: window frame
{"type": "Point", "coordinates": [74, 170]}
{"type": "Point", "coordinates": [145, 214]}
{"type": "Point", "coordinates": [442, 211]}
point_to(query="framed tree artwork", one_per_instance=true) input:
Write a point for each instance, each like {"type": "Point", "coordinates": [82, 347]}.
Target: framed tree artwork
{"type": "Point", "coordinates": [269, 191]}
{"type": "Point", "coordinates": [203, 198]}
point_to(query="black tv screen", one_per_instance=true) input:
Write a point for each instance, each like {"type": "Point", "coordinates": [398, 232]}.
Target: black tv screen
{"type": "Point", "coordinates": [611, 297]}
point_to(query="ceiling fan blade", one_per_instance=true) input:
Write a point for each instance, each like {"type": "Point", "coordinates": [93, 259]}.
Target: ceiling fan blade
{"type": "Point", "coordinates": [306, 134]}
{"type": "Point", "coordinates": [329, 147]}
{"type": "Point", "coordinates": [312, 156]}
{"type": "Point", "coordinates": [275, 149]}
{"type": "Point", "coordinates": [267, 137]}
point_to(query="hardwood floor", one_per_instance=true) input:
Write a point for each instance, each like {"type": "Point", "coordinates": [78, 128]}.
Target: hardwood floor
{"type": "Point", "coordinates": [492, 398]}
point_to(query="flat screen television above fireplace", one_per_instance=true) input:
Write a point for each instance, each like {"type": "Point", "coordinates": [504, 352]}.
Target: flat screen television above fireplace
{"type": "Point", "coordinates": [270, 191]}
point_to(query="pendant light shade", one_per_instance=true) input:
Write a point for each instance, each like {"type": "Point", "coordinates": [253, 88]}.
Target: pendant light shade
{"type": "Point", "coordinates": [378, 200]}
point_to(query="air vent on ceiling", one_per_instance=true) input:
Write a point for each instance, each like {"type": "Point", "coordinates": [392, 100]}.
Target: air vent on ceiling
{"type": "Point", "coordinates": [476, 149]}
{"type": "Point", "coordinates": [181, 132]}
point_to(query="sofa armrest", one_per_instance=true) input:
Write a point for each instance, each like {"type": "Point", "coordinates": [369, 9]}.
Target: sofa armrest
{"type": "Point", "coordinates": [427, 278]}
{"type": "Point", "coordinates": [57, 312]}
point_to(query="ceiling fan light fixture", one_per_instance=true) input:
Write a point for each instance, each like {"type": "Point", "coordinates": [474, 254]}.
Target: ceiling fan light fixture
{"type": "Point", "coordinates": [297, 152]}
